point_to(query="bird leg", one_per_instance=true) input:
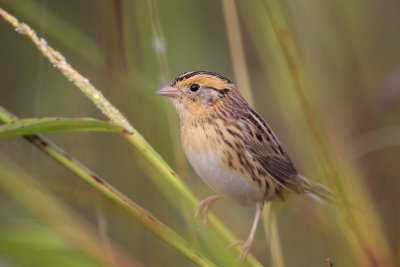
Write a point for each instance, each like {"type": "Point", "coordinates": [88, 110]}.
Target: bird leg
{"type": "Point", "coordinates": [204, 206]}
{"type": "Point", "coordinates": [247, 244]}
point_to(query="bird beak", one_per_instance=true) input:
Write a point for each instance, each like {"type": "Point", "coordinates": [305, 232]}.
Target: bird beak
{"type": "Point", "coordinates": [168, 90]}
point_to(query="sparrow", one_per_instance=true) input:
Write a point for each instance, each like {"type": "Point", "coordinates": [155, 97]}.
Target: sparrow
{"type": "Point", "coordinates": [232, 148]}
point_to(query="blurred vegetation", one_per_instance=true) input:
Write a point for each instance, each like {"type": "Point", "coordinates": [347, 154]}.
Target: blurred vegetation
{"type": "Point", "coordinates": [325, 75]}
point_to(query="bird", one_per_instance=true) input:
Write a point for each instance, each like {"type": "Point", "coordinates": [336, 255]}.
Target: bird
{"type": "Point", "coordinates": [232, 149]}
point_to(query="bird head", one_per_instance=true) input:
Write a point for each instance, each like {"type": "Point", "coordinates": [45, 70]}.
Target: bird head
{"type": "Point", "coordinates": [198, 92]}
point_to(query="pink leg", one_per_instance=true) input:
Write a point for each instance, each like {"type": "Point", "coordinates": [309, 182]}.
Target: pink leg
{"type": "Point", "coordinates": [247, 244]}
{"type": "Point", "coordinates": [204, 206]}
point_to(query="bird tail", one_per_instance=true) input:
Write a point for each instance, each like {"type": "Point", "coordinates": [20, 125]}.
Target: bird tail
{"type": "Point", "coordinates": [316, 191]}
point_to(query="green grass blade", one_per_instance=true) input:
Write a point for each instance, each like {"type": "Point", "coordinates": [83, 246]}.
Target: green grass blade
{"type": "Point", "coordinates": [236, 47]}
{"type": "Point", "coordinates": [53, 125]}
{"type": "Point", "coordinates": [142, 216]}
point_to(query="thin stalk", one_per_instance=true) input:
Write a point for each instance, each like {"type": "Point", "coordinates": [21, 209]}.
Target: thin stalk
{"type": "Point", "coordinates": [160, 48]}
{"type": "Point", "coordinates": [236, 48]}
{"type": "Point", "coordinates": [272, 233]}
{"type": "Point", "coordinates": [58, 60]}
{"type": "Point", "coordinates": [237, 53]}
{"type": "Point", "coordinates": [142, 216]}
{"type": "Point", "coordinates": [159, 43]}
{"type": "Point", "coordinates": [116, 116]}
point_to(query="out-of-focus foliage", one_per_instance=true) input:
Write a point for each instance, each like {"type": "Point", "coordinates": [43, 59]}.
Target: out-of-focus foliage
{"type": "Point", "coordinates": [349, 63]}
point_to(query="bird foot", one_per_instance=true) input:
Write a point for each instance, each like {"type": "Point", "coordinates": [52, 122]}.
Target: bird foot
{"type": "Point", "coordinates": [203, 207]}
{"type": "Point", "coordinates": [246, 245]}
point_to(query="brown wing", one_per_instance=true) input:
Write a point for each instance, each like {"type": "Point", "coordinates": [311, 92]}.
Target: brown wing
{"type": "Point", "coordinates": [265, 148]}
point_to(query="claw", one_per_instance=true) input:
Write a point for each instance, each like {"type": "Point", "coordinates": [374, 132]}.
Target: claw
{"type": "Point", "coordinates": [204, 206]}
{"type": "Point", "coordinates": [246, 245]}
{"type": "Point", "coordinates": [236, 243]}
{"type": "Point", "coordinates": [245, 249]}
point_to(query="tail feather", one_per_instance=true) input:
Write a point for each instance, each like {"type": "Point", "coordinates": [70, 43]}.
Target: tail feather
{"type": "Point", "coordinates": [316, 191]}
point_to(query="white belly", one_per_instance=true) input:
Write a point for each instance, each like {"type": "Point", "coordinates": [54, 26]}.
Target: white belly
{"type": "Point", "coordinates": [222, 180]}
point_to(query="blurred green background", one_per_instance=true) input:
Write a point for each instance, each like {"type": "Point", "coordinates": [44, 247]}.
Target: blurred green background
{"type": "Point", "coordinates": [348, 56]}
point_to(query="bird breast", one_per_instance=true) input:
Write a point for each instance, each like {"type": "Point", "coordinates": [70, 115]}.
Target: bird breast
{"type": "Point", "coordinates": [206, 154]}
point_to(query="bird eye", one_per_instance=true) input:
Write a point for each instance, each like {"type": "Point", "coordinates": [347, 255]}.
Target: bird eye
{"type": "Point", "coordinates": [194, 87]}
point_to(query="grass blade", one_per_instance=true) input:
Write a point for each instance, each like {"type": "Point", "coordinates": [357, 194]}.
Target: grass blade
{"type": "Point", "coordinates": [53, 125]}
{"type": "Point", "coordinates": [236, 48]}
{"type": "Point", "coordinates": [140, 215]}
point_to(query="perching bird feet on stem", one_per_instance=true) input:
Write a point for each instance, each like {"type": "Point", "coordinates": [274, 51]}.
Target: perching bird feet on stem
{"type": "Point", "coordinates": [246, 245]}
{"type": "Point", "coordinates": [205, 205]}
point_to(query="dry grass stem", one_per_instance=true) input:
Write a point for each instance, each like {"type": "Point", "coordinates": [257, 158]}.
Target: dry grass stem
{"type": "Point", "coordinates": [236, 48]}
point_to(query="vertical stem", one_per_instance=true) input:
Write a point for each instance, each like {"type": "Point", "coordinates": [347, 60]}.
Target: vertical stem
{"type": "Point", "coordinates": [236, 48]}
{"type": "Point", "coordinates": [232, 24]}
{"type": "Point", "coordinates": [272, 233]}
{"type": "Point", "coordinates": [160, 46]}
